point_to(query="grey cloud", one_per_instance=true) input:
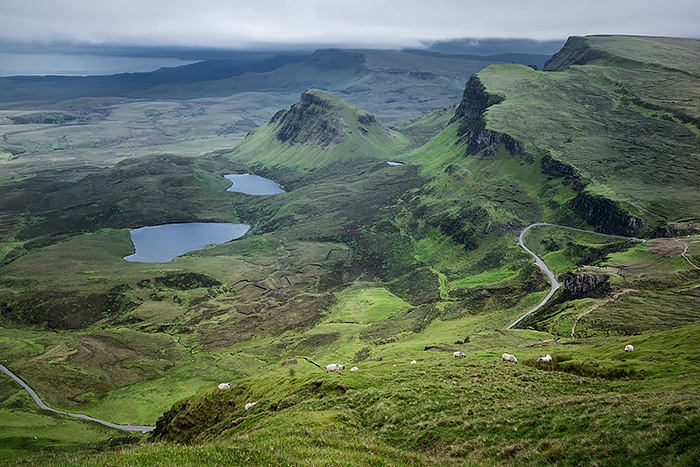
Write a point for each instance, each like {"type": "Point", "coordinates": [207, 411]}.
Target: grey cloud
{"type": "Point", "coordinates": [377, 23]}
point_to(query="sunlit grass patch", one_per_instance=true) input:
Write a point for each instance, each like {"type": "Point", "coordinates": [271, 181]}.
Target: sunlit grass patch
{"type": "Point", "coordinates": [366, 303]}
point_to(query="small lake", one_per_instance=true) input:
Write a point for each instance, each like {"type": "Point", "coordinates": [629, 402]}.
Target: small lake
{"type": "Point", "coordinates": [394, 163]}
{"type": "Point", "coordinates": [163, 243]}
{"type": "Point", "coordinates": [253, 184]}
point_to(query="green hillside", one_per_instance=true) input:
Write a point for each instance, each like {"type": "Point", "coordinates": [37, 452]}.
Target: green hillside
{"type": "Point", "coordinates": [629, 126]}
{"type": "Point", "coordinates": [319, 131]}
{"type": "Point", "coordinates": [374, 265]}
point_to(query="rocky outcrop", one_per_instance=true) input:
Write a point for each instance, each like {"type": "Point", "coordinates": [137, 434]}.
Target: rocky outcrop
{"type": "Point", "coordinates": [472, 129]}
{"type": "Point", "coordinates": [557, 168]}
{"type": "Point", "coordinates": [605, 215]}
{"type": "Point", "coordinates": [311, 120]}
{"type": "Point", "coordinates": [317, 119]}
{"type": "Point", "coordinates": [366, 119]}
{"type": "Point", "coordinates": [475, 101]}
{"type": "Point", "coordinates": [579, 285]}
{"type": "Point", "coordinates": [576, 51]}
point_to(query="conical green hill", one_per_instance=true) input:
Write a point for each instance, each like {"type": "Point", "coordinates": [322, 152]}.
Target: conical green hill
{"type": "Point", "coordinates": [320, 130]}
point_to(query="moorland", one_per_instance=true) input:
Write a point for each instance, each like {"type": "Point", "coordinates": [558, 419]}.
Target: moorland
{"type": "Point", "coordinates": [360, 262]}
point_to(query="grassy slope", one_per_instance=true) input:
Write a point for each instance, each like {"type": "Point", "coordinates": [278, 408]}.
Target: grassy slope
{"type": "Point", "coordinates": [474, 411]}
{"type": "Point", "coordinates": [658, 277]}
{"type": "Point", "coordinates": [358, 268]}
{"type": "Point", "coordinates": [588, 116]}
{"type": "Point", "coordinates": [131, 352]}
{"type": "Point", "coordinates": [352, 140]}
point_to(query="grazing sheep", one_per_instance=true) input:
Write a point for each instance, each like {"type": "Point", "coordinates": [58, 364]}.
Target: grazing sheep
{"type": "Point", "coordinates": [629, 348]}
{"type": "Point", "coordinates": [224, 386]}
{"type": "Point", "coordinates": [334, 367]}
{"type": "Point", "coordinates": [250, 405]}
{"type": "Point", "coordinates": [509, 358]}
{"type": "Point", "coordinates": [413, 362]}
{"type": "Point", "coordinates": [354, 368]}
{"type": "Point", "coordinates": [548, 358]}
{"type": "Point", "coordinates": [459, 354]}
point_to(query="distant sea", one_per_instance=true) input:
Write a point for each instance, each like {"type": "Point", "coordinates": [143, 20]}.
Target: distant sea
{"type": "Point", "coordinates": [12, 64]}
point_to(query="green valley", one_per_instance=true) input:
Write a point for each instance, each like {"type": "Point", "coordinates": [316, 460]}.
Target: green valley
{"type": "Point", "coordinates": [369, 265]}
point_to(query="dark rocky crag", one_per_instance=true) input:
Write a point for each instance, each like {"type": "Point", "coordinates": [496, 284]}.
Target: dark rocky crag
{"type": "Point", "coordinates": [312, 119]}
{"type": "Point", "coordinates": [317, 120]}
{"type": "Point", "coordinates": [606, 216]}
{"type": "Point", "coordinates": [472, 129]}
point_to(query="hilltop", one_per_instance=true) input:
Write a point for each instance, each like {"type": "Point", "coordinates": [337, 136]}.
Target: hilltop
{"type": "Point", "coordinates": [374, 265]}
{"type": "Point", "coordinates": [319, 130]}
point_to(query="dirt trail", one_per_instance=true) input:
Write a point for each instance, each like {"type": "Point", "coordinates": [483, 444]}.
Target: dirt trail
{"type": "Point", "coordinates": [685, 250]}
{"type": "Point", "coordinates": [607, 300]}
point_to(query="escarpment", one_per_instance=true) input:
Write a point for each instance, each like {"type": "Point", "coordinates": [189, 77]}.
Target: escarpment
{"type": "Point", "coordinates": [334, 59]}
{"type": "Point", "coordinates": [576, 51]}
{"type": "Point", "coordinates": [470, 113]}
{"type": "Point", "coordinates": [605, 215]}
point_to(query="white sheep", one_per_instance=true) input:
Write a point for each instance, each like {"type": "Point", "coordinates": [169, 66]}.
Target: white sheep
{"type": "Point", "coordinates": [334, 367]}
{"type": "Point", "coordinates": [459, 354]}
{"type": "Point", "coordinates": [354, 368]}
{"type": "Point", "coordinates": [224, 386]}
{"type": "Point", "coordinates": [629, 348]}
{"type": "Point", "coordinates": [413, 362]}
{"type": "Point", "coordinates": [250, 405]}
{"type": "Point", "coordinates": [509, 358]}
{"type": "Point", "coordinates": [548, 358]}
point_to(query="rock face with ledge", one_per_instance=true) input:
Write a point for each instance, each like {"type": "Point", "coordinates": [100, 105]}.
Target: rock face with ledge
{"type": "Point", "coordinates": [311, 120]}
{"type": "Point", "coordinates": [472, 129]}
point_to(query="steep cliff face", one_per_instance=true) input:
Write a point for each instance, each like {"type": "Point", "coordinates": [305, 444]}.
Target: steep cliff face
{"type": "Point", "coordinates": [579, 285]}
{"type": "Point", "coordinates": [576, 51]}
{"type": "Point", "coordinates": [311, 120]}
{"type": "Point", "coordinates": [321, 119]}
{"type": "Point", "coordinates": [472, 129]}
{"type": "Point", "coordinates": [557, 168]}
{"type": "Point", "coordinates": [603, 214]}
{"type": "Point", "coordinates": [579, 51]}
{"type": "Point", "coordinates": [606, 216]}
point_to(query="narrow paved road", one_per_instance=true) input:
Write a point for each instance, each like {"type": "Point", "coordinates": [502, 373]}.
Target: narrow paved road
{"type": "Point", "coordinates": [550, 274]}
{"type": "Point", "coordinates": [41, 404]}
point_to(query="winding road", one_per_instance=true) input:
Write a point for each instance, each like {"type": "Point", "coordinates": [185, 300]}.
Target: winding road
{"type": "Point", "coordinates": [539, 263]}
{"type": "Point", "coordinates": [40, 403]}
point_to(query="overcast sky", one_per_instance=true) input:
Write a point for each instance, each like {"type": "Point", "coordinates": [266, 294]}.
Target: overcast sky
{"type": "Point", "coordinates": [232, 24]}
{"type": "Point", "coordinates": [376, 23]}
